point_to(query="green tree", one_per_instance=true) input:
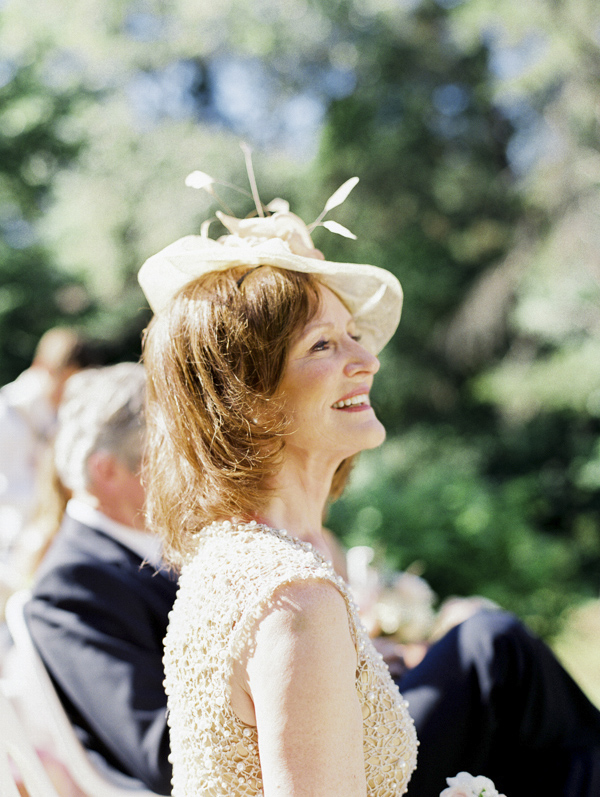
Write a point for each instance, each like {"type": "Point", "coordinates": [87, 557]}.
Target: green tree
{"type": "Point", "coordinates": [33, 296]}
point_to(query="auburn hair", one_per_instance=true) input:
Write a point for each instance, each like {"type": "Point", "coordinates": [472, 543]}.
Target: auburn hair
{"type": "Point", "coordinates": [216, 431]}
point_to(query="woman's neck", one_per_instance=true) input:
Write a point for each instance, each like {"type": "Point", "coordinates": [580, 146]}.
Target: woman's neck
{"type": "Point", "coordinates": [299, 495]}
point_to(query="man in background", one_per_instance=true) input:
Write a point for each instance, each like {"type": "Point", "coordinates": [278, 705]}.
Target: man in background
{"type": "Point", "coordinates": [100, 603]}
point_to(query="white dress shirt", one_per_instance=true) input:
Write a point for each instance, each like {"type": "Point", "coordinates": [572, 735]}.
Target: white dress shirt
{"type": "Point", "coordinates": [143, 543]}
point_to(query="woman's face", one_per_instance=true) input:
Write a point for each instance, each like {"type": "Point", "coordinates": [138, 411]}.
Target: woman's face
{"type": "Point", "coordinates": [326, 387]}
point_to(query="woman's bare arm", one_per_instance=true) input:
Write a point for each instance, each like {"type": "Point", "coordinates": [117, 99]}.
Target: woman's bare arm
{"type": "Point", "coordinates": [301, 680]}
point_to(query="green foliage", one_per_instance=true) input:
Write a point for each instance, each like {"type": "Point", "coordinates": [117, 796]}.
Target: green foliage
{"type": "Point", "coordinates": [424, 503]}
{"type": "Point", "coordinates": [546, 77]}
{"type": "Point", "coordinates": [32, 299]}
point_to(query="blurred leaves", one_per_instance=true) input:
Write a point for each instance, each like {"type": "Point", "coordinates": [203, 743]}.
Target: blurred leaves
{"type": "Point", "coordinates": [425, 499]}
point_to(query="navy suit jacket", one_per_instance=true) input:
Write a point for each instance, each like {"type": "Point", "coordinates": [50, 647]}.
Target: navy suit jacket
{"type": "Point", "coordinates": [98, 618]}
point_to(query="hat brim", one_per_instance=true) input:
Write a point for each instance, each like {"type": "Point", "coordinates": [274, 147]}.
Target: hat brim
{"type": "Point", "coordinates": [373, 295]}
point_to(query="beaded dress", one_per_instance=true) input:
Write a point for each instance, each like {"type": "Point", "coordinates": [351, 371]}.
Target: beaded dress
{"type": "Point", "coordinates": [223, 589]}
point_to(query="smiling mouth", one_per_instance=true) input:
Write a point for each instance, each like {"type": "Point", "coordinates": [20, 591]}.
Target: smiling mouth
{"type": "Point", "coordinates": [360, 400]}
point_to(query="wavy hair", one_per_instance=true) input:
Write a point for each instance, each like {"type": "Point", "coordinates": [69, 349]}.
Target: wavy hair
{"type": "Point", "coordinates": [216, 430]}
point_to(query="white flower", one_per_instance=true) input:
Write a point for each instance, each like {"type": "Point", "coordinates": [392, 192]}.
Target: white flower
{"type": "Point", "coordinates": [466, 785]}
{"type": "Point", "coordinates": [282, 225]}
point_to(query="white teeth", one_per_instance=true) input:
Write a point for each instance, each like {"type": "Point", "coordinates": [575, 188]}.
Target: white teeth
{"type": "Point", "coordinates": [363, 398]}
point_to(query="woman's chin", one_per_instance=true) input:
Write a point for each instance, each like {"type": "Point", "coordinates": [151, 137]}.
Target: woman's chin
{"type": "Point", "coordinates": [378, 436]}
{"type": "Point", "coordinates": [371, 437]}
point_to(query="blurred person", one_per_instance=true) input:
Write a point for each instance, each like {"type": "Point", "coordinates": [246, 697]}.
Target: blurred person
{"type": "Point", "coordinates": [100, 602]}
{"type": "Point", "coordinates": [27, 420]}
{"type": "Point", "coordinates": [31, 544]}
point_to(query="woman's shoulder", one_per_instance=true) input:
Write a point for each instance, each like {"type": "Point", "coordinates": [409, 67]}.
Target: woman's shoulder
{"type": "Point", "coordinates": [309, 605]}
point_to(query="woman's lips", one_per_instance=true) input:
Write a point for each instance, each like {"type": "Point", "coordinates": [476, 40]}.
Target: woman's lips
{"type": "Point", "coordinates": [359, 401]}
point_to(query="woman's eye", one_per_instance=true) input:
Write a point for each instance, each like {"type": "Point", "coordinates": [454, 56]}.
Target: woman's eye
{"type": "Point", "coordinates": [320, 345]}
{"type": "Point", "coordinates": [356, 337]}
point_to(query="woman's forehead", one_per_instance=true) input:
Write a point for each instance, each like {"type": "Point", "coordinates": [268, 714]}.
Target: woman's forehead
{"type": "Point", "coordinates": [332, 312]}
{"type": "Point", "coordinates": [331, 304]}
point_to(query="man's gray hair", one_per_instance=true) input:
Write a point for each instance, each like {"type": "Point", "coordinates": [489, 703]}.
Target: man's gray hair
{"type": "Point", "coordinates": [101, 410]}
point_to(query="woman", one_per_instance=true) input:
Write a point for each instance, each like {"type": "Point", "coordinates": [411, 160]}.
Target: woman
{"type": "Point", "coordinates": [260, 360]}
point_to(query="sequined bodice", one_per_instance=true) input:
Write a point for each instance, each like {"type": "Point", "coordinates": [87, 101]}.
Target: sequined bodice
{"type": "Point", "coordinates": [224, 588]}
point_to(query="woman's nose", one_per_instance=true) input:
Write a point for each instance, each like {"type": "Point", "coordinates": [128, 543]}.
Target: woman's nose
{"type": "Point", "coordinates": [361, 360]}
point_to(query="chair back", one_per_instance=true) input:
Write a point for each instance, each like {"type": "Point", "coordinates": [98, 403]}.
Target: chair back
{"type": "Point", "coordinates": [69, 749]}
{"type": "Point", "coordinates": [19, 762]}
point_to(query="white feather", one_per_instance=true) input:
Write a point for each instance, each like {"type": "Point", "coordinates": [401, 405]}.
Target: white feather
{"type": "Point", "coordinates": [340, 195]}
{"type": "Point", "coordinates": [198, 179]}
{"type": "Point", "coordinates": [339, 229]}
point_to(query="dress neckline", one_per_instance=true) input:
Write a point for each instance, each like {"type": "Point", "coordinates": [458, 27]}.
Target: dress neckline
{"type": "Point", "coordinates": [283, 534]}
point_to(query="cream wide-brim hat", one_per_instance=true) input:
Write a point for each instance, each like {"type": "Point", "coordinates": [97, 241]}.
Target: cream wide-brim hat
{"type": "Point", "coordinates": [372, 294]}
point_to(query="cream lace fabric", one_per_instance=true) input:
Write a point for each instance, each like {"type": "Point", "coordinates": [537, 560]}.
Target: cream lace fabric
{"type": "Point", "coordinates": [223, 589]}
